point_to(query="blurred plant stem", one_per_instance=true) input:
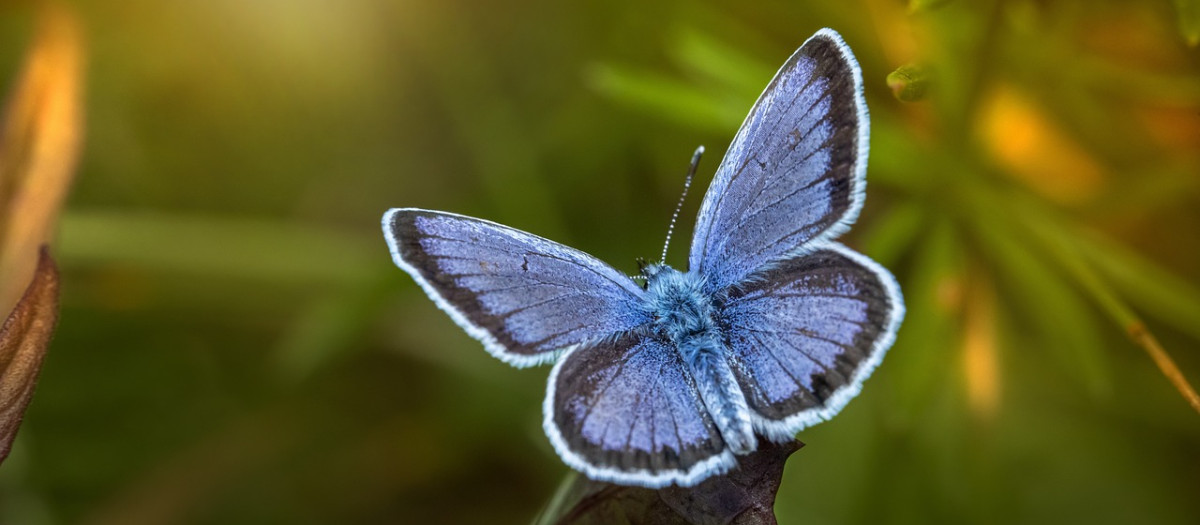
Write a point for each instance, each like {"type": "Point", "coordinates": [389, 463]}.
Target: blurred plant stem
{"type": "Point", "coordinates": [272, 251]}
{"type": "Point", "coordinates": [1060, 242]}
{"type": "Point", "coordinates": [1057, 238]}
{"type": "Point", "coordinates": [38, 152]}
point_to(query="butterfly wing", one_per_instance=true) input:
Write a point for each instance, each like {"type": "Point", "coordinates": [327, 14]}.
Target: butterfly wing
{"type": "Point", "coordinates": [794, 175]}
{"type": "Point", "coordinates": [804, 337]}
{"type": "Point", "coordinates": [526, 298]}
{"type": "Point", "coordinates": [627, 410]}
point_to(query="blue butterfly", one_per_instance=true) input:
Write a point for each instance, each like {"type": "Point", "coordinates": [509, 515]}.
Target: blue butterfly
{"type": "Point", "coordinates": [773, 328]}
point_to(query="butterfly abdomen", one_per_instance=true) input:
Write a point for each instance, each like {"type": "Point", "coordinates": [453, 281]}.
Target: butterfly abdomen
{"type": "Point", "coordinates": [705, 357]}
{"type": "Point", "coordinates": [686, 316]}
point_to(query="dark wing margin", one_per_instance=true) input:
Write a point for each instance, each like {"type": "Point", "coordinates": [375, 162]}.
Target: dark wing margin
{"type": "Point", "coordinates": [805, 334]}
{"type": "Point", "coordinates": [628, 411]}
{"type": "Point", "coordinates": [794, 175]}
{"type": "Point", "coordinates": [526, 298]}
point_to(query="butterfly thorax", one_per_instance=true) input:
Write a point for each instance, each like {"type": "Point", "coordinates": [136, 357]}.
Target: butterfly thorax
{"type": "Point", "coordinates": [686, 315]}
{"type": "Point", "coordinates": [681, 310]}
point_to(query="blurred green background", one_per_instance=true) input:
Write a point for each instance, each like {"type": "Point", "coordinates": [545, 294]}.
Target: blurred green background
{"type": "Point", "coordinates": [235, 345]}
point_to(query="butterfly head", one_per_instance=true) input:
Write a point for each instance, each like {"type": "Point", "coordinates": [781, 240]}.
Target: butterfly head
{"type": "Point", "coordinates": [650, 271]}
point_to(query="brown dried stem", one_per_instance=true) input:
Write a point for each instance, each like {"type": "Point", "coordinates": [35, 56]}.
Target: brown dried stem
{"type": "Point", "coordinates": [23, 341]}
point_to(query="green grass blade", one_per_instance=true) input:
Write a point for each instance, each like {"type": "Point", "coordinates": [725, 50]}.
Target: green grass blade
{"type": "Point", "coordinates": [1044, 299]}
{"type": "Point", "coordinates": [660, 95]}
{"type": "Point", "coordinates": [735, 71]}
{"type": "Point", "coordinates": [1152, 289]}
{"type": "Point", "coordinates": [218, 246]}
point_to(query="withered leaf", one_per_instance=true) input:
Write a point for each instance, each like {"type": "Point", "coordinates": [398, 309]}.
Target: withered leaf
{"type": "Point", "coordinates": [23, 341]}
{"type": "Point", "coordinates": [744, 496]}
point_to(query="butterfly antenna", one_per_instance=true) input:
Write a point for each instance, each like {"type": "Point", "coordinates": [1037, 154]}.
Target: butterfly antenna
{"type": "Point", "coordinates": [687, 184]}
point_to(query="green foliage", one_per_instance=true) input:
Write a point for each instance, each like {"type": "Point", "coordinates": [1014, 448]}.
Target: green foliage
{"type": "Point", "coordinates": [235, 347]}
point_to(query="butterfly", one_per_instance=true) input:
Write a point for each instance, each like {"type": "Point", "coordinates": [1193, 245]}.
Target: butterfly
{"type": "Point", "coordinates": [773, 327]}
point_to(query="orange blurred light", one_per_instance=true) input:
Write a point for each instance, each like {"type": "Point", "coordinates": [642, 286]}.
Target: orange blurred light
{"type": "Point", "coordinates": [42, 131]}
{"type": "Point", "coordinates": [1035, 151]}
{"type": "Point", "coordinates": [980, 362]}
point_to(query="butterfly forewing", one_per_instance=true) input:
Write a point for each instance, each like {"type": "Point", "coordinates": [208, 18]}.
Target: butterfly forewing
{"type": "Point", "coordinates": [627, 410]}
{"type": "Point", "coordinates": [804, 336]}
{"type": "Point", "coordinates": [794, 173]}
{"type": "Point", "coordinates": [525, 297]}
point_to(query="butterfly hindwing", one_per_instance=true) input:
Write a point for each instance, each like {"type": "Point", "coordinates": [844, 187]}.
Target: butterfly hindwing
{"type": "Point", "coordinates": [627, 410]}
{"type": "Point", "coordinates": [526, 298]}
{"type": "Point", "coordinates": [794, 173]}
{"type": "Point", "coordinates": [806, 333]}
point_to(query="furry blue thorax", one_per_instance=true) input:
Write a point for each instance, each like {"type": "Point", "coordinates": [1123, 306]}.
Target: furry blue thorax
{"type": "Point", "coordinates": [677, 303]}
{"type": "Point", "coordinates": [686, 315]}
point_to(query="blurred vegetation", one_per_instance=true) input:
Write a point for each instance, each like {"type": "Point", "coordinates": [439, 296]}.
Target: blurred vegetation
{"type": "Point", "coordinates": [234, 345]}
